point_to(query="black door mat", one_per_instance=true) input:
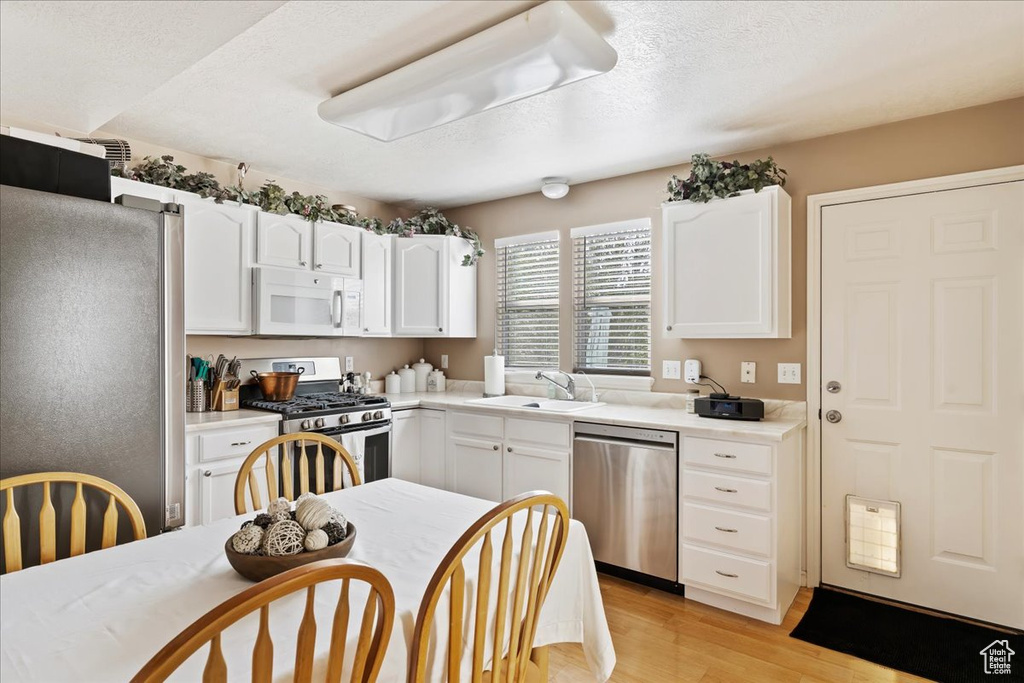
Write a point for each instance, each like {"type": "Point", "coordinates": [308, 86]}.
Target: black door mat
{"type": "Point", "coordinates": [939, 648]}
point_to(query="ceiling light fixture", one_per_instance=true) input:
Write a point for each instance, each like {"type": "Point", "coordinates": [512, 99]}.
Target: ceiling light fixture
{"type": "Point", "coordinates": [541, 49]}
{"type": "Point", "coordinates": [554, 188]}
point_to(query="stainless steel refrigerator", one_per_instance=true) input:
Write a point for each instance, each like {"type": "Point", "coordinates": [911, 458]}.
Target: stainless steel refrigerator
{"type": "Point", "coordinates": [92, 340]}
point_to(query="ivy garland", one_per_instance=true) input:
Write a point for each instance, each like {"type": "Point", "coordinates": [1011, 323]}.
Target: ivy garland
{"type": "Point", "coordinates": [709, 179]}
{"type": "Point", "coordinates": [273, 198]}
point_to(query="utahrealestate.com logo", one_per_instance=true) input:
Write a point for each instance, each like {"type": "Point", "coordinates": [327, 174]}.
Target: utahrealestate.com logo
{"type": "Point", "coordinates": [997, 657]}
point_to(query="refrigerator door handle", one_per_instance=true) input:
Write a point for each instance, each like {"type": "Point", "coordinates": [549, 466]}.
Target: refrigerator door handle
{"type": "Point", "coordinates": [173, 333]}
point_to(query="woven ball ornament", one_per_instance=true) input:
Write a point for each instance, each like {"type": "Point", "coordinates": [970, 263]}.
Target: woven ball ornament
{"type": "Point", "coordinates": [279, 505]}
{"type": "Point", "coordinates": [335, 533]}
{"type": "Point", "coordinates": [263, 520]}
{"type": "Point", "coordinates": [284, 538]}
{"type": "Point", "coordinates": [313, 513]}
{"type": "Point", "coordinates": [315, 540]}
{"type": "Point", "coordinates": [247, 541]}
{"type": "Point", "coordinates": [338, 518]}
{"type": "Point", "coordinates": [305, 496]}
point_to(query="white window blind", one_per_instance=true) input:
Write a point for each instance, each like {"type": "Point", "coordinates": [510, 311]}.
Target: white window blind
{"type": "Point", "coordinates": [527, 300]}
{"type": "Point", "coordinates": [612, 298]}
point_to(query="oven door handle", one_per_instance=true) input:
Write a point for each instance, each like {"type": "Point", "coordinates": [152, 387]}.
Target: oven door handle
{"type": "Point", "coordinates": [376, 431]}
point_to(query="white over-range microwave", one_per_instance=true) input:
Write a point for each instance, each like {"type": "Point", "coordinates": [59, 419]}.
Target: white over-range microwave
{"type": "Point", "coordinates": [292, 302]}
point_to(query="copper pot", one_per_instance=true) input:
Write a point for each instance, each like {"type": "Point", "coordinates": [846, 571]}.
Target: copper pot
{"type": "Point", "coordinates": [277, 386]}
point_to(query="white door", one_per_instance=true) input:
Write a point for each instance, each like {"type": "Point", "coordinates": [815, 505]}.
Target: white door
{"type": "Point", "coordinates": [377, 284]}
{"type": "Point", "coordinates": [528, 468]}
{"type": "Point", "coordinates": [421, 286]}
{"type": "Point", "coordinates": [405, 445]}
{"type": "Point", "coordinates": [432, 448]}
{"type": "Point", "coordinates": [474, 468]}
{"type": "Point", "coordinates": [922, 330]}
{"type": "Point", "coordinates": [336, 248]}
{"type": "Point", "coordinates": [284, 241]}
{"type": "Point", "coordinates": [217, 490]}
{"type": "Point", "coordinates": [218, 262]}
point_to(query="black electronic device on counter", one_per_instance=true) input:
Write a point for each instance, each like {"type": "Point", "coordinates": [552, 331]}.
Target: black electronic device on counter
{"type": "Point", "coordinates": [729, 408]}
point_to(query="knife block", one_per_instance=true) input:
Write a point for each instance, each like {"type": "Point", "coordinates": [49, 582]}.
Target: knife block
{"type": "Point", "coordinates": [225, 399]}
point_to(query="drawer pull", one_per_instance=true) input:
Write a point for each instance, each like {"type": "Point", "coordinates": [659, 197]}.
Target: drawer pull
{"type": "Point", "coordinates": [727, 574]}
{"type": "Point", "coordinates": [241, 443]}
{"type": "Point", "coordinates": [728, 531]}
{"type": "Point", "coordinates": [725, 490]}
{"type": "Point", "coordinates": [725, 455]}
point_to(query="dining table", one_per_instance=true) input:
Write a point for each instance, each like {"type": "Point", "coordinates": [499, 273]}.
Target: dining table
{"type": "Point", "coordinates": [102, 615]}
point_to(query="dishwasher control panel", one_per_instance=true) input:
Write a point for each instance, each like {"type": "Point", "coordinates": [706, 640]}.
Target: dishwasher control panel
{"type": "Point", "coordinates": [659, 436]}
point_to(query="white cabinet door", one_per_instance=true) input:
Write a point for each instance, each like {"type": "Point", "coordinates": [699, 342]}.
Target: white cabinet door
{"type": "Point", "coordinates": [474, 467]}
{"type": "Point", "coordinates": [120, 186]}
{"type": "Point", "coordinates": [421, 286]}
{"type": "Point", "coordinates": [377, 284]}
{"type": "Point", "coordinates": [218, 262]}
{"type": "Point", "coordinates": [528, 468]}
{"type": "Point", "coordinates": [432, 448]}
{"type": "Point", "coordinates": [727, 271]}
{"type": "Point", "coordinates": [336, 249]}
{"type": "Point", "coordinates": [405, 445]}
{"type": "Point", "coordinates": [217, 489]}
{"type": "Point", "coordinates": [284, 241]}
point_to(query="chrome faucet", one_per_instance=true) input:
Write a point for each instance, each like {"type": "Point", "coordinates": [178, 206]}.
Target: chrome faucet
{"type": "Point", "coordinates": [570, 383]}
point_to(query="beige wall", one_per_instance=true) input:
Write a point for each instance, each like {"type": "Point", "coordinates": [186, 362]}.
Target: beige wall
{"type": "Point", "coordinates": [984, 137]}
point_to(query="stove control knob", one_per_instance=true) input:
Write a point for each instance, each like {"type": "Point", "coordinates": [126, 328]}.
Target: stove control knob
{"type": "Point", "coordinates": [367, 417]}
{"type": "Point", "coordinates": [304, 425]}
{"type": "Point", "coordinates": [343, 420]}
{"type": "Point", "coordinates": [378, 415]}
{"type": "Point", "coordinates": [319, 424]}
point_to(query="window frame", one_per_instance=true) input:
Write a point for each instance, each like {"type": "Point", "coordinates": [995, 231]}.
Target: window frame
{"type": "Point", "coordinates": [502, 304]}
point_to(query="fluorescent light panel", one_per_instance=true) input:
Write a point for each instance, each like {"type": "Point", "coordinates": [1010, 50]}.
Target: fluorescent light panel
{"type": "Point", "coordinates": [539, 50]}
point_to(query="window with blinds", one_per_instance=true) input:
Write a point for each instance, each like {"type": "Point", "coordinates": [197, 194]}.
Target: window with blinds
{"type": "Point", "coordinates": [527, 300]}
{"type": "Point", "coordinates": [612, 298]}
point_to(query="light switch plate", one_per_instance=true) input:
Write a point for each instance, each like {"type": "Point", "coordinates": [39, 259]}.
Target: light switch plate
{"type": "Point", "coordinates": [350, 364]}
{"type": "Point", "coordinates": [670, 369]}
{"type": "Point", "coordinates": [444, 361]}
{"type": "Point", "coordinates": [789, 373]}
{"type": "Point", "coordinates": [748, 372]}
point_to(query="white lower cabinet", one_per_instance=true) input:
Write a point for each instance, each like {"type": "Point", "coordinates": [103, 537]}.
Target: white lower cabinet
{"type": "Point", "coordinates": [418, 446]}
{"type": "Point", "coordinates": [432, 447]}
{"type": "Point", "coordinates": [474, 467]}
{"type": "Point", "coordinates": [217, 490]}
{"type": "Point", "coordinates": [740, 516]}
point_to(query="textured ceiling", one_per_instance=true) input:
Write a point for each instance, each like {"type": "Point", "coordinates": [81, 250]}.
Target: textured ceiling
{"type": "Point", "coordinates": [691, 76]}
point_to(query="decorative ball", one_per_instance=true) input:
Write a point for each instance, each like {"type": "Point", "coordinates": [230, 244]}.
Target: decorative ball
{"type": "Point", "coordinates": [305, 496]}
{"type": "Point", "coordinates": [283, 538]}
{"type": "Point", "coordinates": [247, 523]}
{"type": "Point", "coordinates": [338, 518]}
{"type": "Point", "coordinates": [279, 505]}
{"type": "Point", "coordinates": [313, 513]}
{"type": "Point", "coordinates": [281, 516]}
{"type": "Point", "coordinates": [335, 532]}
{"type": "Point", "coordinates": [247, 540]}
{"type": "Point", "coordinates": [316, 540]}
{"type": "Point", "coordinates": [263, 520]}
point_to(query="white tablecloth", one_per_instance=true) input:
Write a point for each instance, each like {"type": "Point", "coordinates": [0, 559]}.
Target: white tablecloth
{"type": "Point", "coordinates": [102, 615]}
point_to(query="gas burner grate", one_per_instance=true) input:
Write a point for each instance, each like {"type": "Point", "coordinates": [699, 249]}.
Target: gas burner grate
{"type": "Point", "coordinates": [329, 400]}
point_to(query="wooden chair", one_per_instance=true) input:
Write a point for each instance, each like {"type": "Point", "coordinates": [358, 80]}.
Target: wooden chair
{"type": "Point", "coordinates": [268, 448]}
{"type": "Point", "coordinates": [47, 516]}
{"type": "Point", "coordinates": [541, 551]}
{"type": "Point", "coordinates": [374, 632]}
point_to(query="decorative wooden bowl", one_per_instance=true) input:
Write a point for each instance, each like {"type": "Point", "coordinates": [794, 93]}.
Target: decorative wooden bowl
{"type": "Point", "coordinates": [259, 567]}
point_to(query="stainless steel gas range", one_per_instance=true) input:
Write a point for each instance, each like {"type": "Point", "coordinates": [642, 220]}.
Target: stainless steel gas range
{"type": "Point", "coordinates": [360, 422]}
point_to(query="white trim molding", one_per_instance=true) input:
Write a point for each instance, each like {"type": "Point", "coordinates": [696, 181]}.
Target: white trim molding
{"type": "Point", "coordinates": [605, 228]}
{"type": "Point", "coordinates": [547, 236]}
{"type": "Point", "coordinates": [815, 204]}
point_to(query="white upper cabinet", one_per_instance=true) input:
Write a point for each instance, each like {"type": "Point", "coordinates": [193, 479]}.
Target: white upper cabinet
{"type": "Point", "coordinates": [336, 249]}
{"type": "Point", "coordinates": [727, 266]}
{"type": "Point", "coordinates": [218, 262]}
{"type": "Point", "coordinates": [284, 241]}
{"type": "Point", "coordinates": [377, 284]}
{"type": "Point", "coordinates": [435, 295]}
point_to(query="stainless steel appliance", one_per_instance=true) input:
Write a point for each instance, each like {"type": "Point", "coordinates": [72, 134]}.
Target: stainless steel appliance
{"type": "Point", "coordinates": [295, 302]}
{"type": "Point", "coordinates": [92, 346]}
{"type": "Point", "coordinates": [624, 490]}
{"type": "Point", "coordinates": [361, 423]}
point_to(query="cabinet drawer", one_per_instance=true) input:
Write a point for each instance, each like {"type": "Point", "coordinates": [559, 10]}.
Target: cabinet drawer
{"type": "Point", "coordinates": [232, 443]}
{"type": "Point", "coordinates": [730, 573]}
{"type": "Point", "coordinates": [471, 424]}
{"type": "Point", "coordinates": [737, 530]}
{"type": "Point", "coordinates": [551, 435]}
{"type": "Point", "coordinates": [720, 488]}
{"type": "Point", "coordinates": [729, 455]}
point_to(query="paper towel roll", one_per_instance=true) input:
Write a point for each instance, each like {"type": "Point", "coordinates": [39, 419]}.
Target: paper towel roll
{"type": "Point", "coordinates": [494, 375]}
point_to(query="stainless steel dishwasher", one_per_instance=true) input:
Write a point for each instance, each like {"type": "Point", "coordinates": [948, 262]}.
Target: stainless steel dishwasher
{"type": "Point", "coordinates": [624, 490]}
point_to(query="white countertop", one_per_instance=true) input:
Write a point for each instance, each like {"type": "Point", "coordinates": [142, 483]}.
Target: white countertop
{"type": "Point", "coordinates": [198, 422]}
{"type": "Point", "coordinates": [772, 428]}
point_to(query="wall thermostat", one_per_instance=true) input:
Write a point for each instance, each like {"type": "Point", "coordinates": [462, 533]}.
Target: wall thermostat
{"type": "Point", "coordinates": [691, 371]}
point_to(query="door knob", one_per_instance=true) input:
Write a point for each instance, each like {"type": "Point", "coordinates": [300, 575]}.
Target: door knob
{"type": "Point", "coordinates": [494, 447]}
{"type": "Point", "coordinates": [834, 416]}
{"type": "Point", "coordinates": [207, 473]}
{"type": "Point", "coordinates": [833, 387]}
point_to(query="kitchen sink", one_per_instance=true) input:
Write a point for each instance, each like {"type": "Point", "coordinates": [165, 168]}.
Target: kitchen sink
{"type": "Point", "coordinates": [535, 402]}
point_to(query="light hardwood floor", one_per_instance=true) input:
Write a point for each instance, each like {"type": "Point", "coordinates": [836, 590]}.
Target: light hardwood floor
{"type": "Point", "coordinates": [663, 637]}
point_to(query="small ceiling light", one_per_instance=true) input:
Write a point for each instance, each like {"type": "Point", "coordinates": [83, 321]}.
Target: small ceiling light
{"type": "Point", "coordinates": [554, 188]}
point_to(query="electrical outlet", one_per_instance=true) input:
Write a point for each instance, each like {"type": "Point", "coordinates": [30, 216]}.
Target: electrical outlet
{"type": "Point", "coordinates": [691, 371]}
{"type": "Point", "coordinates": [670, 369]}
{"type": "Point", "coordinates": [789, 373]}
{"type": "Point", "coordinates": [350, 364]}
{"type": "Point", "coordinates": [748, 372]}
{"type": "Point", "coordinates": [444, 361]}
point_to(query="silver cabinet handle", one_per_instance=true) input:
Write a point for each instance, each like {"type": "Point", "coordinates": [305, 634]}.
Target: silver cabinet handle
{"type": "Point", "coordinates": [302, 263]}
{"type": "Point", "coordinates": [725, 490]}
{"type": "Point", "coordinates": [319, 266]}
{"type": "Point", "coordinates": [242, 443]}
{"type": "Point", "coordinates": [509, 449]}
{"type": "Point", "coordinates": [728, 531]}
{"type": "Point", "coordinates": [724, 455]}
{"type": "Point", "coordinates": [366, 329]}
{"type": "Point", "coordinates": [207, 473]}
{"type": "Point", "coordinates": [669, 328]}
{"type": "Point", "coordinates": [496, 447]}
{"type": "Point", "coordinates": [440, 329]}
{"type": "Point", "coordinates": [727, 574]}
